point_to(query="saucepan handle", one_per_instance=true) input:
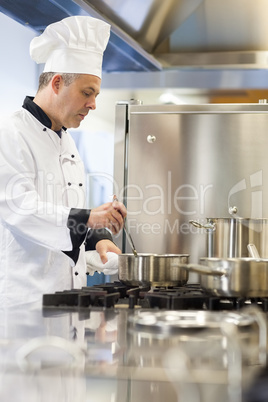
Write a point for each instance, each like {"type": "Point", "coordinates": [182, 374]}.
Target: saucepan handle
{"type": "Point", "coordinates": [206, 270]}
{"type": "Point", "coordinates": [209, 226]}
{"type": "Point", "coordinates": [253, 252]}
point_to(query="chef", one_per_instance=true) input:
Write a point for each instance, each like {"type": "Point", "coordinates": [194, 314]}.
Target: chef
{"type": "Point", "coordinates": [45, 229]}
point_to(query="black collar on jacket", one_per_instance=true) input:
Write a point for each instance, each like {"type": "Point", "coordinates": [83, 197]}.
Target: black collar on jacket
{"type": "Point", "coordinates": [38, 113]}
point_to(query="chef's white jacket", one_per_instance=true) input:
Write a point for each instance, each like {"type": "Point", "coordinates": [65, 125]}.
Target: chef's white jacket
{"type": "Point", "coordinates": [42, 178]}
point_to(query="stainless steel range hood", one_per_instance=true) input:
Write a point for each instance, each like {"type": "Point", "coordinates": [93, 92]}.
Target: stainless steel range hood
{"type": "Point", "coordinates": [151, 35]}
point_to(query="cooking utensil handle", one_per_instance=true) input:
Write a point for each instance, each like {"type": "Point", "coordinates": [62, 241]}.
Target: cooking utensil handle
{"type": "Point", "coordinates": [203, 269]}
{"type": "Point", "coordinates": [130, 240]}
{"type": "Point", "coordinates": [128, 236]}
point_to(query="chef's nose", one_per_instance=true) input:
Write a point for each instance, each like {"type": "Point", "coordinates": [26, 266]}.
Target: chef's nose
{"type": "Point", "coordinates": [91, 104]}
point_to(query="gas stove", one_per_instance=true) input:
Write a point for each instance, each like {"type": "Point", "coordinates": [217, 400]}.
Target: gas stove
{"type": "Point", "coordinates": [175, 342]}
{"type": "Point", "coordinates": [115, 343]}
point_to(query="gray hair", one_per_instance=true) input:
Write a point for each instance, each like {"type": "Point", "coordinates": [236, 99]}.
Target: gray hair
{"type": "Point", "coordinates": [45, 79]}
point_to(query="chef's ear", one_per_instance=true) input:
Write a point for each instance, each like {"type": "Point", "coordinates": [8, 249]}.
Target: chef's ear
{"type": "Point", "coordinates": [56, 82]}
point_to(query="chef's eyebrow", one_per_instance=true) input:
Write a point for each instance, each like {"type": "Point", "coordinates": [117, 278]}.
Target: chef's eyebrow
{"type": "Point", "coordinates": [93, 90]}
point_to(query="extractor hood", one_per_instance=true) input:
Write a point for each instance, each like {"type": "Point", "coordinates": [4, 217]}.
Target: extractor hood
{"type": "Point", "coordinates": [151, 35]}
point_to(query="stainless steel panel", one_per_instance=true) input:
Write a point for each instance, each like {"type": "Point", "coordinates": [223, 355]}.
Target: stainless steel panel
{"type": "Point", "coordinates": [193, 162]}
{"type": "Point", "coordinates": [239, 59]}
{"type": "Point", "coordinates": [148, 22]}
{"type": "Point", "coordinates": [153, 35]}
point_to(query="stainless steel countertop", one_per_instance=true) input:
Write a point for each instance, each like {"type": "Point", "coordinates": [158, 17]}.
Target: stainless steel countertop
{"type": "Point", "coordinates": [102, 355]}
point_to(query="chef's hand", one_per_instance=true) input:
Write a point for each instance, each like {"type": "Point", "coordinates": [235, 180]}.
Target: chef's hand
{"type": "Point", "coordinates": [105, 245]}
{"type": "Point", "coordinates": [110, 215]}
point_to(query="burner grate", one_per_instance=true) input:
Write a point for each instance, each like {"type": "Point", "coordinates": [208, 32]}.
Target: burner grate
{"type": "Point", "coordinates": [193, 297]}
{"type": "Point", "coordinates": [81, 298]}
{"type": "Point", "coordinates": [105, 296]}
{"type": "Point", "coordinates": [109, 295]}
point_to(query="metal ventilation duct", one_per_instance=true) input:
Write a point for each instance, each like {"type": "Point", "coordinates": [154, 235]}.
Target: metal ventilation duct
{"type": "Point", "coordinates": [151, 35]}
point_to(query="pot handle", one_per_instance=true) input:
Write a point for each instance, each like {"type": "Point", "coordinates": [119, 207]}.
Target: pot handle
{"type": "Point", "coordinates": [207, 226]}
{"type": "Point", "coordinates": [204, 269]}
{"type": "Point", "coordinates": [253, 252]}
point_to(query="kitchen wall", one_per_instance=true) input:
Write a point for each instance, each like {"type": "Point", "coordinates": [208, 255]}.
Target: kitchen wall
{"type": "Point", "coordinates": [18, 73]}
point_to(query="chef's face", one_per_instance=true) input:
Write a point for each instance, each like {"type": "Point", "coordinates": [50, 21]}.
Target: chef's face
{"type": "Point", "coordinates": [76, 100]}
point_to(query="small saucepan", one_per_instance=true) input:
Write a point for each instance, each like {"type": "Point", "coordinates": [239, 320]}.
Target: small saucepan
{"type": "Point", "coordinates": [233, 277]}
{"type": "Point", "coordinates": [153, 269]}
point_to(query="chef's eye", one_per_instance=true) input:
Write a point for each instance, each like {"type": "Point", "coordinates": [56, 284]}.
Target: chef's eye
{"type": "Point", "coordinates": [86, 94]}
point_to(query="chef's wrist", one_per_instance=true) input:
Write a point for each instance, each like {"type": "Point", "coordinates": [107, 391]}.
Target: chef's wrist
{"type": "Point", "coordinates": [96, 235]}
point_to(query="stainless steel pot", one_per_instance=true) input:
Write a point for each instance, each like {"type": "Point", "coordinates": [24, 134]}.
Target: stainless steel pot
{"type": "Point", "coordinates": [233, 277]}
{"type": "Point", "coordinates": [153, 269]}
{"type": "Point", "coordinates": [229, 237]}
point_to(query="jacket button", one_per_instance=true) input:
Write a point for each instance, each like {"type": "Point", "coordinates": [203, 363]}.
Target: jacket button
{"type": "Point", "coordinates": [72, 156]}
{"type": "Point", "coordinates": [76, 273]}
{"type": "Point", "coordinates": [80, 184]}
{"type": "Point", "coordinates": [44, 129]}
{"type": "Point", "coordinates": [69, 184]}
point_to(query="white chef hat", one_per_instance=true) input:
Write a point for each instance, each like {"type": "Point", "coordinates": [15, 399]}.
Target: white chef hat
{"type": "Point", "coordinates": [73, 45]}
